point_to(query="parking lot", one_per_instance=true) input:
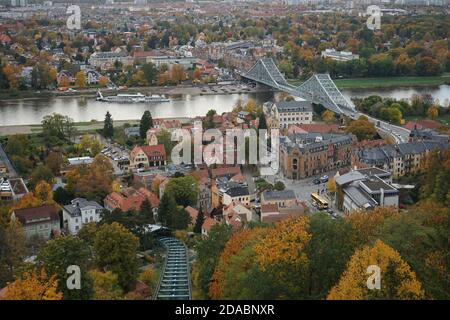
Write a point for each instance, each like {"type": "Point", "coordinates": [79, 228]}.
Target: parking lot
{"type": "Point", "coordinates": [304, 187]}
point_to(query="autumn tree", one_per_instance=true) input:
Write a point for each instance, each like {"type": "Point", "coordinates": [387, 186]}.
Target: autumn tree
{"type": "Point", "coordinates": [103, 81]}
{"type": "Point", "coordinates": [34, 286]}
{"type": "Point", "coordinates": [80, 79]}
{"type": "Point", "coordinates": [433, 112]}
{"type": "Point", "coordinates": [328, 116]}
{"type": "Point", "coordinates": [222, 286]}
{"type": "Point", "coordinates": [177, 73]}
{"type": "Point", "coordinates": [44, 193]}
{"type": "Point", "coordinates": [362, 129]}
{"type": "Point", "coordinates": [60, 253]}
{"type": "Point", "coordinates": [281, 253]}
{"type": "Point", "coordinates": [54, 162]}
{"type": "Point", "coordinates": [116, 249]}
{"type": "Point", "coordinates": [398, 281]}
{"type": "Point", "coordinates": [12, 246]}
{"type": "Point", "coordinates": [106, 285]}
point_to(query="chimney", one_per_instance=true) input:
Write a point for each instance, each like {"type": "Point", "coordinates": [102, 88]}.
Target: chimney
{"type": "Point", "coordinates": [381, 197]}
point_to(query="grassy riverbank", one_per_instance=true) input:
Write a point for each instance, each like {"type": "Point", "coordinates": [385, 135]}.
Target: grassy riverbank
{"type": "Point", "coordinates": [388, 82]}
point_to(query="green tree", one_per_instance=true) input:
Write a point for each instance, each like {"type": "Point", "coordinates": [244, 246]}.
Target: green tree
{"type": "Point", "coordinates": [199, 221]}
{"type": "Point", "coordinates": [116, 250]}
{"type": "Point", "coordinates": [329, 250]}
{"type": "Point", "coordinates": [180, 219]}
{"type": "Point", "coordinates": [146, 123]}
{"type": "Point", "coordinates": [108, 128]}
{"type": "Point", "coordinates": [150, 72]}
{"type": "Point", "coordinates": [184, 190]}
{"type": "Point", "coordinates": [166, 207]}
{"type": "Point", "coordinates": [208, 253]}
{"type": "Point", "coordinates": [60, 253]}
{"type": "Point", "coordinates": [262, 121]}
{"type": "Point", "coordinates": [279, 185]}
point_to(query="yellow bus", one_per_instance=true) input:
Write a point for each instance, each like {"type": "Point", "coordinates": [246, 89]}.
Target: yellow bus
{"type": "Point", "coordinates": [319, 201]}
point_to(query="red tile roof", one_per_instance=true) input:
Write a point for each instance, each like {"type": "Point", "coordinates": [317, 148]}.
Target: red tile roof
{"type": "Point", "coordinates": [314, 127]}
{"type": "Point", "coordinates": [193, 213]}
{"type": "Point", "coordinates": [154, 151]}
{"type": "Point", "coordinates": [131, 199]}
{"type": "Point", "coordinates": [209, 223]}
{"type": "Point", "coordinates": [218, 172]}
{"type": "Point", "coordinates": [269, 208]}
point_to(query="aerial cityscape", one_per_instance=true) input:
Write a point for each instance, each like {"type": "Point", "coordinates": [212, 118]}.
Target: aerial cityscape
{"type": "Point", "coordinates": [225, 150]}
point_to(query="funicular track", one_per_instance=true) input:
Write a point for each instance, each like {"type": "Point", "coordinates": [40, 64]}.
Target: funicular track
{"type": "Point", "coordinates": [175, 282]}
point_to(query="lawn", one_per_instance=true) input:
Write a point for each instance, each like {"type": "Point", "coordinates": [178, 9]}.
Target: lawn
{"type": "Point", "coordinates": [364, 83]}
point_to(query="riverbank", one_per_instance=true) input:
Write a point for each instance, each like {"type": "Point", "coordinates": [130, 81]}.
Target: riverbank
{"type": "Point", "coordinates": [81, 127]}
{"type": "Point", "coordinates": [167, 90]}
{"type": "Point", "coordinates": [387, 82]}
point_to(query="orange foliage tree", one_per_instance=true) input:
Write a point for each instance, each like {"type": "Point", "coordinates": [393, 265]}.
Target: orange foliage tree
{"type": "Point", "coordinates": [398, 281]}
{"type": "Point", "coordinates": [34, 286]}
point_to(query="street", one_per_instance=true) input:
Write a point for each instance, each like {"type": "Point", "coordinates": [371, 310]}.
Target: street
{"type": "Point", "coordinates": [304, 187]}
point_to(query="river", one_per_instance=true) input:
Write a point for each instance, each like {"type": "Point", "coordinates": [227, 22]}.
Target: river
{"type": "Point", "coordinates": [24, 112]}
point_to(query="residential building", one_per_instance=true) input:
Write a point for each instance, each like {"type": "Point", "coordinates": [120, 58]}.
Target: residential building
{"type": "Point", "coordinates": [204, 195]}
{"type": "Point", "coordinates": [282, 198]}
{"type": "Point", "coordinates": [80, 212]}
{"type": "Point", "coordinates": [38, 221]}
{"type": "Point", "coordinates": [399, 159]}
{"type": "Point", "coordinates": [147, 156]}
{"type": "Point", "coordinates": [286, 113]}
{"type": "Point", "coordinates": [132, 132]}
{"type": "Point", "coordinates": [12, 189]}
{"type": "Point", "coordinates": [339, 55]}
{"type": "Point", "coordinates": [130, 199]}
{"type": "Point", "coordinates": [305, 155]}
{"type": "Point", "coordinates": [236, 194]}
{"type": "Point", "coordinates": [106, 60]}
{"type": "Point", "coordinates": [365, 189]}
{"type": "Point", "coordinates": [273, 213]}
{"type": "Point", "coordinates": [236, 213]}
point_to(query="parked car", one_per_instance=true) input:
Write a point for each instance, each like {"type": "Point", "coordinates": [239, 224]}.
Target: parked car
{"type": "Point", "coordinates": [324, 179]}
{"type": "Point", "coordinates": [316, 181]}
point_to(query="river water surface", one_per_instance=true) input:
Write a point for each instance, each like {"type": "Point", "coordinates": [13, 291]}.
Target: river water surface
{"type": "Point", "coordinates": [23, 112]}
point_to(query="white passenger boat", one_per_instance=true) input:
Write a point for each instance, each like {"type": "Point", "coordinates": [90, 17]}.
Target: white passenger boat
{"type": "Point", "coordinates": [131, 98]}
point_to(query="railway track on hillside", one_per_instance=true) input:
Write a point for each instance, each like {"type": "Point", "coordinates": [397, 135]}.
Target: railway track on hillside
{"type": "Point", "coordinates": [175, 281]}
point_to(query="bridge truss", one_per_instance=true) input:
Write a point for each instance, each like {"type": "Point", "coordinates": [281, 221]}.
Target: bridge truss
{"type": "Point", "coordinates": [319, 89]}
